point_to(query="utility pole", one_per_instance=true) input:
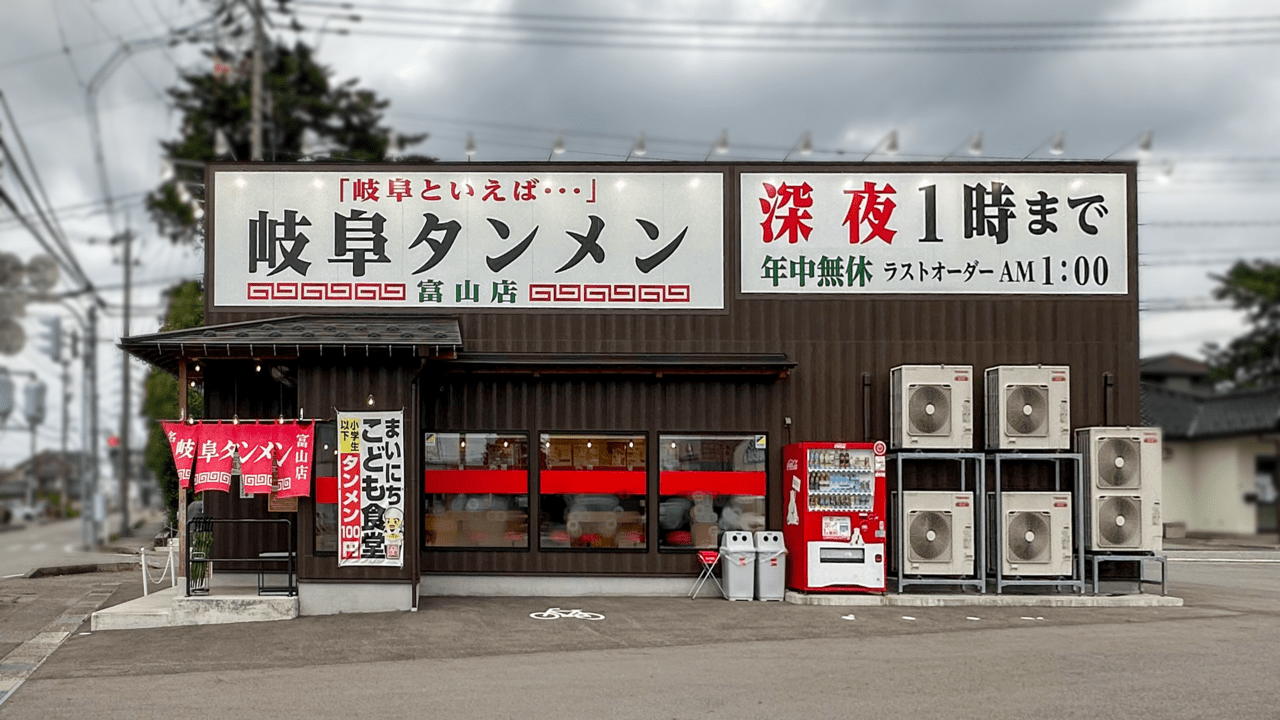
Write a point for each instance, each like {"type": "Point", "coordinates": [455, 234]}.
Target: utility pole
{"type": "Point", "coordinates": [255, 99]}
{"type": "Point", "coordinates": [89, 481]}
{"type": "Point", "coordinates": [126, 239]}
{"type": "Point", "coordinates": [64, 497]}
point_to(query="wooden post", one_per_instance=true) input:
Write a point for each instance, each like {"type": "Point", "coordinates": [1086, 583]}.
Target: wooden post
{"type": "Point", "coordinates": [183, 385]}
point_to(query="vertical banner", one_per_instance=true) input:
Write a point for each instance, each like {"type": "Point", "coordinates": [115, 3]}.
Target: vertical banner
{"type": "Point", "coordinates": [218, 447]}
{"type": "Point", "coordinates": [294, 471]}
{"type": "Point", "coordinates": [371, 489]}
{"type": "Point", "coordinates": [183, 438]}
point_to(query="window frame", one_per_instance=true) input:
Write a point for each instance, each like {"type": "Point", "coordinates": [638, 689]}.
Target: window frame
{"type": "Point", "coordinates": [528, 493]}
{"type": "Point", "coordinates": [645, 496]}
{"type": "Point", "coordinates": [663, 436]}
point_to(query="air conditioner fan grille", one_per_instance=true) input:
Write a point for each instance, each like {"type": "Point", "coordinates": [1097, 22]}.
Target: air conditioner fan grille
{"type": "Point", "coordinates": [929, 534]}
{"type": "Point", "coordinates": [1028, 536]}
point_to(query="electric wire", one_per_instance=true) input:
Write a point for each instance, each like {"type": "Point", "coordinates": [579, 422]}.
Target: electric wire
{"type": "Point", "coordinates": [768, 24]}
{"type": "Point", "coordinates": [807, 46]}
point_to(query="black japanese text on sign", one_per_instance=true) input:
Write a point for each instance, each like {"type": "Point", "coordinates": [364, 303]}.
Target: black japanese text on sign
{"type": "Point", "coordinates": [462, 240]}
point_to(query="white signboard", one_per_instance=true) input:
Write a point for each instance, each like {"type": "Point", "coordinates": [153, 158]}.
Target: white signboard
{"type": "Point", "coordinates": [483, 240]}
{"type": "Point", "coordinates": [371, 489]}
{"type": "Point", "coordinates": [815, 233]}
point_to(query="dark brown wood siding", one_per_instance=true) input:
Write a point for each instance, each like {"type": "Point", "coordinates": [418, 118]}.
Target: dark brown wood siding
{"type": "Point", "coordinates": [347, 385]}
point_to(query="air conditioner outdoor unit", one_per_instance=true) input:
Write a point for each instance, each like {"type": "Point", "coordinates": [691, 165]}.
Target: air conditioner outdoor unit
{"type": "Point", "coordinates": [1123, 468]}
{"type": "Point", "coordinates": [932, 407]}
{"type": "Point", "coordinates": [937, 533]}
{"type": "Point", "coordinates": [1036, 529]}
{"type": "Point", "coordinates": [1028, 407]}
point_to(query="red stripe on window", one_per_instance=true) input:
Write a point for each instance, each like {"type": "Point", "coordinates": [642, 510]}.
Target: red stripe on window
{"type": "Point", "coordinates": [506, 482]}
{"type": "Point", "coordinates": [614, 482]}
{"type": "Point", "coordinates": [687, 482]}
{"type": "Point", "coordinates": [327, 490]}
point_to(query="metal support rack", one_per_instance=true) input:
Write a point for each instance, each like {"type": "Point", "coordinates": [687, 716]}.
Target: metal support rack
{"type": "Point", "coordinates": [979, 578]}
{"type": "Point", "coordinates": [1076, 581]}
{"type": "Point", "coordinates": [1096, 559]}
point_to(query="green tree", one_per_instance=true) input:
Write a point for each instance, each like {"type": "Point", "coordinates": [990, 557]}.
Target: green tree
{"type": "Point", "coordinates": [1253, 359]}
{"type": "Point", "coordinates": [186, 310]}
{"type": "Point", "coordinates": [300, 102]}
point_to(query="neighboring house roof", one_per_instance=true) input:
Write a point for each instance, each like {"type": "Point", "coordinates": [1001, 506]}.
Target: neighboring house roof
{"type": "Point", "coordinates": [1190, 416]}
{"type": "Point", "coordinates": [1173, 364]}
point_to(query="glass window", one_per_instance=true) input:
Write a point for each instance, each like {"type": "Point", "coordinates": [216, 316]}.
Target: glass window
{"type": "Point", "coordinates": [326, 527]}
{"type": "Point", "coordinates": [325, 518]}
{"type": "Point", "coordinates": [709, 484]}
{"type": "Point", "coordinates": [477, 490]}
{"type": "Point", "coordinates": [592, 491]}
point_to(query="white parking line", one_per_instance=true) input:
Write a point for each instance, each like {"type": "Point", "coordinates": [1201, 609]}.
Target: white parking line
{"type": "Point", "coordinates": [39, 546]}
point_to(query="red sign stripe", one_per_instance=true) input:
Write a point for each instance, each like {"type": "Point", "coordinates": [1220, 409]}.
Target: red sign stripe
{"type": "Point", "coordinates": [613, 482]}
{"type": "Point", "coordinates": [507, 482]}
{"type": "Point", "coordinates": [687, 482]}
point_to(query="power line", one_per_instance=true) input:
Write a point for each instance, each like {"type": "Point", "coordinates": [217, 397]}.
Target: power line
{"type": "Point", "coordinates": [771, 24]}
{"type": "Point", "coordinates": [784, 31]}
{"type": "Point", "coordinates": [812, 45]}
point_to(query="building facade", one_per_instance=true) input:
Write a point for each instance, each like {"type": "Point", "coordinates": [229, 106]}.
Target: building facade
{"type": "Point", "coordinates": [592, 435]}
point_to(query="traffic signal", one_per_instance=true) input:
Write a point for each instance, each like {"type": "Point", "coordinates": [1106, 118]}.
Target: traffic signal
{"type": "Point", "coordinates": [6, 396]}
{"type": "Point", "coordinates": [52, 337]}
{"type": "Point", "coordinates": [35, 406]}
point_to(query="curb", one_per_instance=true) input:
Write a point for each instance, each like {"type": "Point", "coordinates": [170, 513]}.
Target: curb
{"type": "Point", "coordinates": [986, 600]}
{"type": "Point", "coordinates": [58, 570]}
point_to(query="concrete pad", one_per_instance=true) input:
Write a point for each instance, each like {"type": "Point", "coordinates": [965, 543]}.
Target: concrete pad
{"type": "Point", "coordinates": [987, 600]}
{"type": "Point", "coordinates": [229, 607]}
{"type": "Point", "coordinates": [154, 610]}
{"type": "Point", "coordinates": [170, 608]}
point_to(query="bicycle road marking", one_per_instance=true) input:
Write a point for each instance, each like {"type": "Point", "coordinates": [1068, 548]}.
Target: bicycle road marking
{"type": "Point", "coordinates": [18, 665]}
{"type": "Point", "coordinates": [555, 613]}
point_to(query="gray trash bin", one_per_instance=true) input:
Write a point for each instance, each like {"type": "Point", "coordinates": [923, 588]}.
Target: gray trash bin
{"type": "Point", "coordinates": [738, 559]}
{"type": "Point", "coordinates": [771, 565]}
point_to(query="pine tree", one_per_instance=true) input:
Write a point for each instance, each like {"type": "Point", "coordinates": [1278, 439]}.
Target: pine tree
{"type": "Point", "coordinates": [300, 103]}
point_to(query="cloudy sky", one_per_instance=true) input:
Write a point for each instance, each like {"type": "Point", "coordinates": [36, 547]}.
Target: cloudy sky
{"type": "Point", "coordinates": [1200, 76]}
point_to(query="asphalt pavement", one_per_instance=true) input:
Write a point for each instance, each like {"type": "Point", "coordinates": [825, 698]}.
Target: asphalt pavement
{"type": "Point", "coordinates": [55, 543]}
{"type": "Point", "coordinates": [677, 658]}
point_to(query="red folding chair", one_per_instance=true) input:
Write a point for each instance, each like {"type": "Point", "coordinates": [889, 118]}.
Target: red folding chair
{"type": "Point", "coordinates": [708, 560]}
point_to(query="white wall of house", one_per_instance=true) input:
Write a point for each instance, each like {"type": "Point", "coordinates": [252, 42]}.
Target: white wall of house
{"type": "Point", "coordinates": [1205, 483]}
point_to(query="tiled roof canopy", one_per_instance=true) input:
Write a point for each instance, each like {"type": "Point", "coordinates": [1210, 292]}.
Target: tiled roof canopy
{"type": "Point", "coordinates": [291, 337]}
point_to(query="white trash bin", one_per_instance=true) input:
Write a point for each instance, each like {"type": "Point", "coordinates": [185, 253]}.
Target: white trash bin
{"type": "Point", "coordinates": [771, 565]}
{"type": "Point", "coordinates": [738, 564]}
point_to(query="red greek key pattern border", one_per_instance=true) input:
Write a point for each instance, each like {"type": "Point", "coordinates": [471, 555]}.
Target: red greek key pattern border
{"type": "Point", "coordinates": [326, 292]}
{"type": "Point", "coordinates": [569, 293]}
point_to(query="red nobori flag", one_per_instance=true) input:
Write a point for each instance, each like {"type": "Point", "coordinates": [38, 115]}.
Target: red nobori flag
{"type": "Point", "coordinates": [297, 440]}
{"type": "Point", "coordinates": [183, 440]}
{"type": "Point", "coordinates": [259, 448]}
{"type": "Point", "coordinates": [218, 445]}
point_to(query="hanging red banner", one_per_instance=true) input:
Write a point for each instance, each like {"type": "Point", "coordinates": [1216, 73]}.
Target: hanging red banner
{"type": "Point", "coordinates": [259, 448]}
{"type": "Point", "coordinates": [218, 445]}
{"type": "Point", "coordinates": [294, 470]}
{"type": "Point", "coordinates": [183, 439]}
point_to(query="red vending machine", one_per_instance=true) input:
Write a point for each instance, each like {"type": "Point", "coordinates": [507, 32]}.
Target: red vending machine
{"type": "Point", "coordinates": [834, 498]}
